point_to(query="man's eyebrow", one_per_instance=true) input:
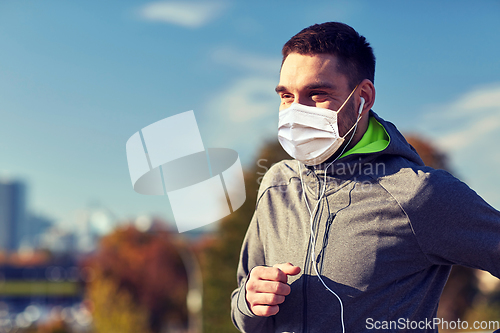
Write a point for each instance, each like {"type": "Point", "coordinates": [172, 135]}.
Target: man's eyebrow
{"type": "Point", "coordinates": [316, 85]}
{"type": "Point", "coordinates": [280, 88]}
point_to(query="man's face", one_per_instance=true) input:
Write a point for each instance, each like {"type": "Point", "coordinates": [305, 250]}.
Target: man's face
{"type": "Point", "coordinates": [314, 80]}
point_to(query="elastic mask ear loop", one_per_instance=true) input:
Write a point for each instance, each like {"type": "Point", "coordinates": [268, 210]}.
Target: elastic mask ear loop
{"type": "Point", "coordinates": [361, 105]}
{"type": "Point", "coordinates": [347, 99]}
{"type": "Point", "coordinates": [311, 214]}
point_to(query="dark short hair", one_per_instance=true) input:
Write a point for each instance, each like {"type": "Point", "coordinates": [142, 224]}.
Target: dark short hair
{"type": "Point", "coordinates": [354, 53]}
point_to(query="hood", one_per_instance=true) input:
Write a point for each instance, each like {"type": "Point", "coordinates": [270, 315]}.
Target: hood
{"type": "Point", "coordinates": [398, 148]}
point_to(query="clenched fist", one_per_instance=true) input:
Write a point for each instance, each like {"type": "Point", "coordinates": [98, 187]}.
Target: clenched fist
{"type": "Point", "coordinates": [267, 287]}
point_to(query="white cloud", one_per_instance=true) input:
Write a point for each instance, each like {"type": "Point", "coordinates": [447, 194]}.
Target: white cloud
{"type": "Point", "coordinates": [480, 99]}
{"type": "Point", "coordinates": [468, 130]}
{"type": "Point", "coordinates": [246, 114]}
{"type": "Point", "coordinates": [464, 122]}
{"type": "Point", "coordinates": [253, 62]}
{"type": "Point", "coordinates": [186, 14]}
{"type": "Point", "coordinates": [247, 99]}
{"type": "Point", "coordinates": [476, 129]}
{"type": "Point", "coordinates": [246, 109]}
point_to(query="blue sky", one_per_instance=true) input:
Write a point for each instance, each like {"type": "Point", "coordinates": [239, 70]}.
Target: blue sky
{"type": "Point", "coordinates": [77, 79]}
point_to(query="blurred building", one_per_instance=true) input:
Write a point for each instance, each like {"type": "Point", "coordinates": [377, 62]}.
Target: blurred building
{"type": "Point", "coordinates": [91, 224]}
{"type": "Point", "coordinates": [81, 237]}
{"type": "Point", "coordinates": [37, 225]}
{"type": "Point", "coordinates": [32, 294]}
{"type": "Point", "coordinates": [12, 214]}
{"type": "Point", "coordinates": [58, 241]}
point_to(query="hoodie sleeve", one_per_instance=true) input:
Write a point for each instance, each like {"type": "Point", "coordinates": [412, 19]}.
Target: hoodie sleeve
{"type": "Point", "coordinates": [453, 224]}
{"type": "Point", "coordinates": [252, 255]}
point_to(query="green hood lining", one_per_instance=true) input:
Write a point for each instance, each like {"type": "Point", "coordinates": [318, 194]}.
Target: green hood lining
{"type": "Point", "coordinates": [374, 140]}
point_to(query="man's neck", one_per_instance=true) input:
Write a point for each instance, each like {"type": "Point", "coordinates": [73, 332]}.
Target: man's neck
{"type": "Point", "coordinates": [359, 131]}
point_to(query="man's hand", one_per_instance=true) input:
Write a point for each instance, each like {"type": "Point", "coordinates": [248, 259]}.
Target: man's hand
{"type": "Point", "coordinates": [267, 287]}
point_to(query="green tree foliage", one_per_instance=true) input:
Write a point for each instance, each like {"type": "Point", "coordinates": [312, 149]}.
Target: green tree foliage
{"type": "Point", "coordinates": [486, 307]}
{"type": "Point", "coordinates": [148, 268]}
{"type": "Point", "coordinates": [114, 309]}
{"type": "Point", "coordinates": [221, 260]}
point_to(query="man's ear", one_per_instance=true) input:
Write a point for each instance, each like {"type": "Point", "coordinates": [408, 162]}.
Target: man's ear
{"type": "Point", "coordinates": [367, 91]}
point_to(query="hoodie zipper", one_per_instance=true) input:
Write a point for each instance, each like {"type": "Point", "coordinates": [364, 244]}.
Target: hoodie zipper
{"type": "Point", "coordinates": [321, 256]}
{"type": "Point", "coordinates": [315, 227]}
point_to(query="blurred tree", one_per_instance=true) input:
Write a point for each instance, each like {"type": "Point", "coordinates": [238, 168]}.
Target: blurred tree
{"type": "Point", "coordinates": [486, 305]}
{"type": "Point", "coordinates": [222, 255]}
{"type": "Point", "coordinates": [113, 309]}
{"type": "Point", "coordinates": [428, 152]}
{"type": "Point", "coordinates": [486, 308]}
{"type": "Point", "coordinates": [146, 266]}
{"type": "Point", "coordinates": [54, 327]}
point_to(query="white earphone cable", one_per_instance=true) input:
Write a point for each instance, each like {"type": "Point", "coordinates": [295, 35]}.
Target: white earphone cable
{"type": "Point", "coordinates": [313, 238]}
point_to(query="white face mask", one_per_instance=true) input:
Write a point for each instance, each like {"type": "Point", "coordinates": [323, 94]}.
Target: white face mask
{"type": "Point", "coordinates": [311, 134]}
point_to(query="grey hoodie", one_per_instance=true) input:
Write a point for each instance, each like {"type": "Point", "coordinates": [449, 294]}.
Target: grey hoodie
{"type": "Point", "coordinates": [387, 232]}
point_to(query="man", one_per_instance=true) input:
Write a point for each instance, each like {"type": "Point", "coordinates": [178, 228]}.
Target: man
{"type": "Point", "coordinates": [355, 234]}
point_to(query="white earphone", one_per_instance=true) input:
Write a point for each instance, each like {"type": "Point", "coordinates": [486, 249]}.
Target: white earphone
{"type": "Point", "coordinates": [361, 105]}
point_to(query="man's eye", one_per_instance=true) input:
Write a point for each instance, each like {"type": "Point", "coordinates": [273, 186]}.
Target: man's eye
{"type": "Point", "coordinates": [286, 96]}
{"type": "Point", "coordinates": [318, 96]}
